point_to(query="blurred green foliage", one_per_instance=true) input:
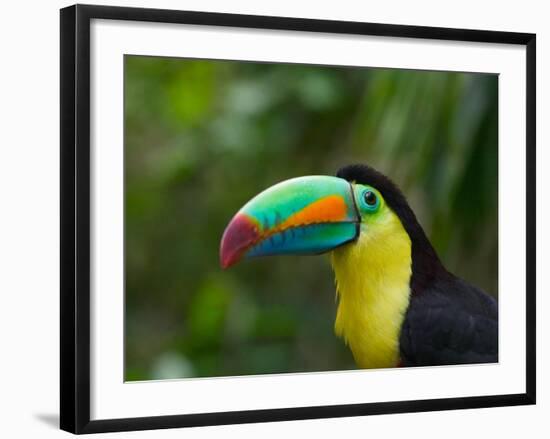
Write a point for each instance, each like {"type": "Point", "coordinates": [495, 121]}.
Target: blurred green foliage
{"type": "Point", "coordinates": [203, 137]}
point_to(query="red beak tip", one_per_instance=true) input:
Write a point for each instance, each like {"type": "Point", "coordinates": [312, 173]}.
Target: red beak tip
{"type": "Point", "coordinates": [225, 264]}
{"type": "Point", "coordinates": [240, 233]}
{"type": "Point", "coordinates": [228, 260]}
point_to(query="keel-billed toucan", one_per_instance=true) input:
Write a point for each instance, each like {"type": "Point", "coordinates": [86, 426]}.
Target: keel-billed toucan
{"type": "Point", "coordinates": [398, 305]}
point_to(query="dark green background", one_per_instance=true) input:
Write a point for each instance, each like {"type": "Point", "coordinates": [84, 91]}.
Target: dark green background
{"type": "Point", "coordinates": [203, 137]}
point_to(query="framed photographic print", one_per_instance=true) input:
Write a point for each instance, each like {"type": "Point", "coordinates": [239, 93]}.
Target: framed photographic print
{"type": "Point", "coordinates": [268, 218]}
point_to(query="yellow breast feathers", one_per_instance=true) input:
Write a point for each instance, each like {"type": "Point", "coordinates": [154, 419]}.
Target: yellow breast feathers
{"type": "Point", "coordinates": [372, 281]}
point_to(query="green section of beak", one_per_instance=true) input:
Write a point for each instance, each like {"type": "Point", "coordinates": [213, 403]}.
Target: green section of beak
{"type": "Point", "coordinates": [305, 215]}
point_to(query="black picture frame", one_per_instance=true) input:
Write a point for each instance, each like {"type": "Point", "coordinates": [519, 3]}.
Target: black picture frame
{"type": "Point", "coordinates": [75, 217]}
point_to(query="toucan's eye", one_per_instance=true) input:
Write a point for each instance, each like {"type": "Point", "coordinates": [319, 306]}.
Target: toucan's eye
{"type": "Point", "coordinates": [370, 198]}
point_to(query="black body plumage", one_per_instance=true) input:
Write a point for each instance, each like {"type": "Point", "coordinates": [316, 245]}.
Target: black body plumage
{"type": "Point", "coordinates": [448, 321]}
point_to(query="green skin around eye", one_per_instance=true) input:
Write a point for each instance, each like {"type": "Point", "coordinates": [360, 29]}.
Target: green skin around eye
{"type": "Point", "coordinates": [368, 213]}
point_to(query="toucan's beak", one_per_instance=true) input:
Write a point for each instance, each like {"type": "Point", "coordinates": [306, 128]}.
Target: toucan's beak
{"type": "Point", "coordinates": [305, 215]}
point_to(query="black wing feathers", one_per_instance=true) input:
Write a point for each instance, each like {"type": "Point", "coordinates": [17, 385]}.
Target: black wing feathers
{"type": "Point", "coordinates": [450, 323]}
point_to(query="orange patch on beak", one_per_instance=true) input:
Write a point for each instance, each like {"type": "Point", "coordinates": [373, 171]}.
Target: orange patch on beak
{"type": "Point", "coordinates": [326, 210]}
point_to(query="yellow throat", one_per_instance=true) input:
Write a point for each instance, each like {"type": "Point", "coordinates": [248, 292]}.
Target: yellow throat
{"type": "Point", "coordinates": [372, 282]}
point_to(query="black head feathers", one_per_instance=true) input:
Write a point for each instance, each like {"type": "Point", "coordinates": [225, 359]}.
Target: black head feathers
{"type": "Point", "coordinates": [426, 264]}
{"type": "Point", "coordinates": [364, 174]}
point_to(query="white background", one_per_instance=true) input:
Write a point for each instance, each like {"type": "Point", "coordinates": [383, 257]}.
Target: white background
{"type": "Point", "coordinates": [29, 249]}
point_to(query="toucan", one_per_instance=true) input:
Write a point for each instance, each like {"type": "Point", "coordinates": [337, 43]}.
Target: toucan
{"type": "Point", "coordinates": [397, 303]}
